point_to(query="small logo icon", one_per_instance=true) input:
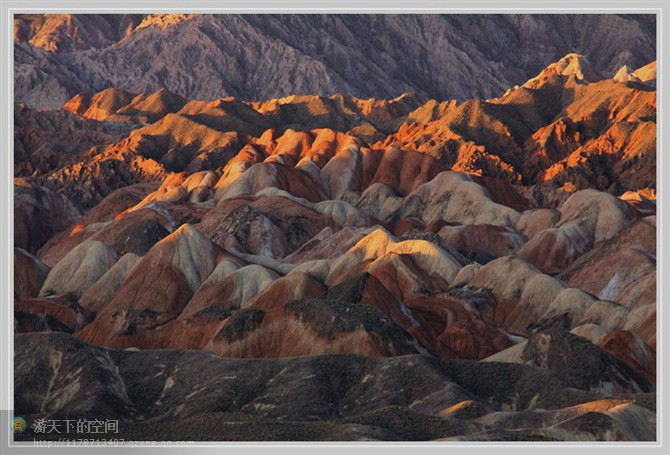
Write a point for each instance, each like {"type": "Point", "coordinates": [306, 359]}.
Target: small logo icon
{"type": "Point", "coordinates": [18, 424]}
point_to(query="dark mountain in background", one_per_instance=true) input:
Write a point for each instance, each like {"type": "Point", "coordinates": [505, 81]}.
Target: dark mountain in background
{"type": "Point", "coordinates": [255, 57]}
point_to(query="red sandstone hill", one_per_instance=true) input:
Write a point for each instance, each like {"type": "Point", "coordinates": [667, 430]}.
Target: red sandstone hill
{"type": "Point", "coordinates": [559, 129]}
{"type": "Point", "coordinates": [517, 233]}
